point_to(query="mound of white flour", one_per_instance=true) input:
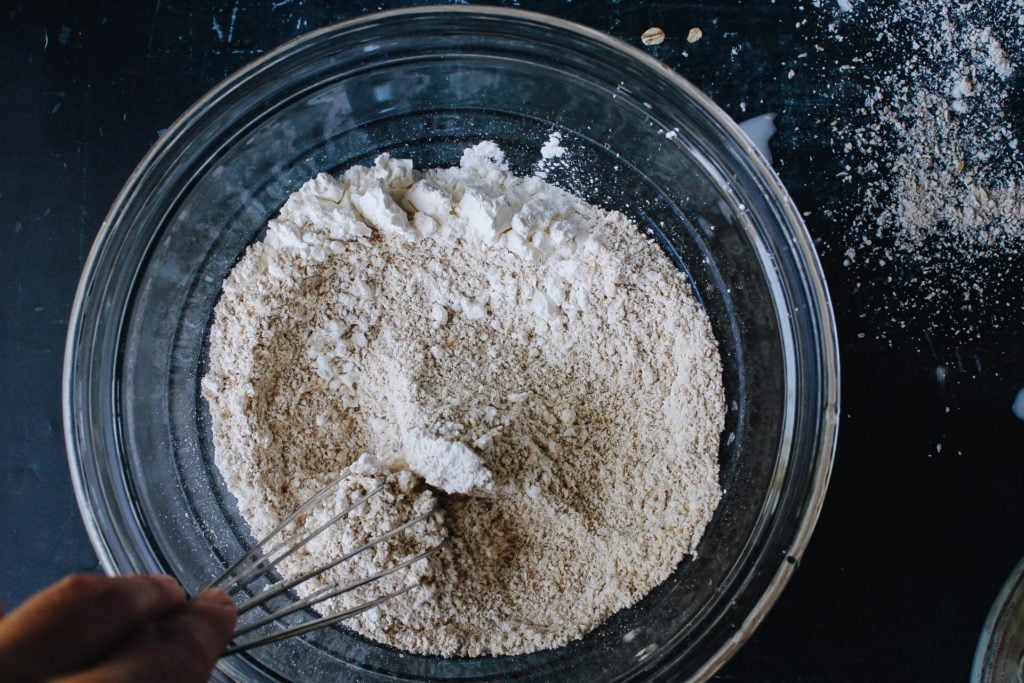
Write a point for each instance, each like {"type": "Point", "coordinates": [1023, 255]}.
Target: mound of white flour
{"type": "Point", "coordinates": [527, 363]}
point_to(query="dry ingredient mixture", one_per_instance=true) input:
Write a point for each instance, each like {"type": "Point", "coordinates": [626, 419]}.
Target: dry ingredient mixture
{"type": "Point", "coordinates": [933, 154]}
{"type": "Point", "coordinates": [488, 347]}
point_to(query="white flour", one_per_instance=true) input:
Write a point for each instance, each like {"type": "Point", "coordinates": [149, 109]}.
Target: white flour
{"type": "Point", "coordinates": [535, 360]}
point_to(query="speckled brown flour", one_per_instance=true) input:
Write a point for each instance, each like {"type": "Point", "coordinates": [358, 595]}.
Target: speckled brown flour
{"type": "Point", "coordinates": [545, 355]}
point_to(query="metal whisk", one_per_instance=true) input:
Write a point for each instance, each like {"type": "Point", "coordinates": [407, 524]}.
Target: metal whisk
{"type": "Point", "coordinates": [279, 544]}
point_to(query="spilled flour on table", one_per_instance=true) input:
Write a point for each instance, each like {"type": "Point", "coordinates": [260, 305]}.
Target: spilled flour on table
{"type": "Point", "coordinates": [933, 156]}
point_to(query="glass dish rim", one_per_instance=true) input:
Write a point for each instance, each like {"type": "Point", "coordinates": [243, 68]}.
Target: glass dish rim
{"type": "Point", "coordinates": [790, 223]}
{"type": "Point", "coordinates": [998, 612]}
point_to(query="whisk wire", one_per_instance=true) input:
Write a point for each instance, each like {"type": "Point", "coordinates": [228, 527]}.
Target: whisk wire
{"type": "Point", "coordinates": [266, 555]}
{"type": "Point", "coordinates": [315, 623]}
{"type": "Point", "coordinates": [330, 591]}
{"type": "Point", "coordinates": [280, 588]}
{"type": "Point", "coordinates": [265, 564]}
{"type": "Point", "coordinates": [257, 549]}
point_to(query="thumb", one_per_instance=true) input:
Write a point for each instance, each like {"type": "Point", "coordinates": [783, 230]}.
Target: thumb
{"type": "Point", "coordinates": [184, 646]}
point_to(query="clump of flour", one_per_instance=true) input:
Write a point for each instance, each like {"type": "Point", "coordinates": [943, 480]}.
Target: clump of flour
{"type": "Point", "coordinates": [525, 370]}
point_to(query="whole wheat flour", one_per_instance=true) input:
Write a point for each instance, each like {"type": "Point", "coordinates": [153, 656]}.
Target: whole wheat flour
{"type": "Point", "coordinates": [525, 371]}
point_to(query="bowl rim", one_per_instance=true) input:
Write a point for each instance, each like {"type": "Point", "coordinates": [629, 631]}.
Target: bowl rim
{"type": "Point", "coordinates": [800, 243]}
{"type": "Point", "coordinates": [999, 613]}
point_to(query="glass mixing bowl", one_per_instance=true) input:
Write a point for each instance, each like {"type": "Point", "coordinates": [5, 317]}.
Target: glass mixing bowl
{"type": "Point", "coordinates": [999, 657]}
{"type": "Point", "coordinates": [425, 83]}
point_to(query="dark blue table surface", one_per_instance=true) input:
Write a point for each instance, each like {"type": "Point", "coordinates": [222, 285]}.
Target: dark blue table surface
{"type": "Point", "coordinates": [913, 542]}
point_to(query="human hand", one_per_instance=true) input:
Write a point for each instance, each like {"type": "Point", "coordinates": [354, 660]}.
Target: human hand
{"type": "Point", "coordinates": [87, 629]}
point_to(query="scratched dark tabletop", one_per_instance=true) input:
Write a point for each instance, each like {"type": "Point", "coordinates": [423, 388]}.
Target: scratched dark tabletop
{"type": "Point", "coordinates": [913, 542]}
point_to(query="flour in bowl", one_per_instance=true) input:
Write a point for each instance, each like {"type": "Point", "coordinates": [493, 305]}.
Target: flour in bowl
{"type": "Point", "coordinates": [526, 370]}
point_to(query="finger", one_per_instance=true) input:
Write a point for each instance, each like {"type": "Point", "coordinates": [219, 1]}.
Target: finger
{"type": "Point", "coordinates": [78, 619]}
{"type": "Point", "coordinates": [183, 647]}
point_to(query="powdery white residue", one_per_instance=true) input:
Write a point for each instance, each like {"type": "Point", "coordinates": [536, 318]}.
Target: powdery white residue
{"type": "Point", "coordinates": [932, 158]}
{"type": "Point", "coordinates": [997, 57]}
{"type": "Point", "coordinates": [550, 151]}
{"type": "Point", "coordinates": [552, 147]}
